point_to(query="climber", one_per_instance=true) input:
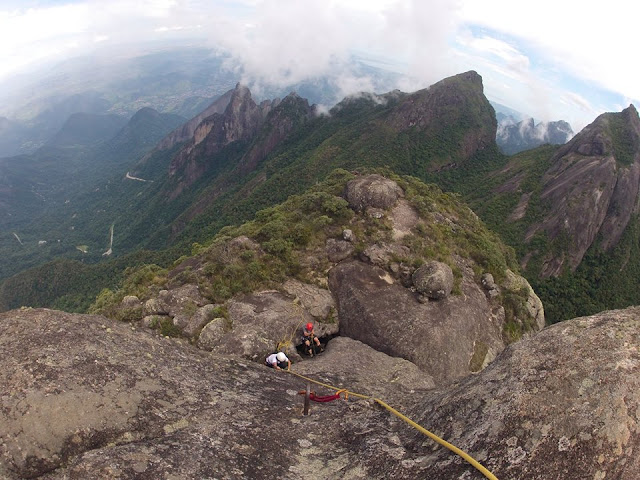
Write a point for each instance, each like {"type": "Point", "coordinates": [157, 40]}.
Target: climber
{"type": "Point", "coordinates": [278, 361]}
{"type": "Point", "coordinates": [309, 336]}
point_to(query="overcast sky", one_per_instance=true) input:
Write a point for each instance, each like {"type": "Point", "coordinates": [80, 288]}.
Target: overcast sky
{"type": "Point", "coordinates": [550, 59]}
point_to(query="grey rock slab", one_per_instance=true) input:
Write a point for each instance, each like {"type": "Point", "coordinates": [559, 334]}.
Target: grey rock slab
{"type": "Point", "coordinates": [447, 339]}
{"type": "Point", "coordinates": [562, 403]}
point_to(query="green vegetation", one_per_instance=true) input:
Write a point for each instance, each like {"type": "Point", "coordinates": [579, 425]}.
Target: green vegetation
{"type": "Point", "coordinates": [72, 286]}
{"type": "Point", "coordinates": [166, 327]}
{"type": "Point", "coordinates": [362, 135]}
{"type": "Point", "coordinates": [289, 240]}
{"type": "Point", "coordinates": [624, 139]}
{"type": "Point", "coordinates": [604, 280]}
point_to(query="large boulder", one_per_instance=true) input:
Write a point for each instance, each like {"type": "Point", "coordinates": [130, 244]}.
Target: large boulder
{"type": "Point", "coordinates": [212, 333]}
{"type": "Point", "coordinates": [448, 339]}
{"type": "Point", "coordinates": [373, 191]}
{"type": "Point", "coordinates": [434, 280]}
{"type": "Point", "coordinates": [561, 404]}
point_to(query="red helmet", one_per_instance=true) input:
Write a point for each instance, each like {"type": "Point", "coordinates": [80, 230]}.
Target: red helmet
{"type": "Point", "coordinates": [309, 326]}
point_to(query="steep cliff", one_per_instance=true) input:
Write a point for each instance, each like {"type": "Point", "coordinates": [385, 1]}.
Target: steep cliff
{"type": "Point", "coordinates": [592, 186]}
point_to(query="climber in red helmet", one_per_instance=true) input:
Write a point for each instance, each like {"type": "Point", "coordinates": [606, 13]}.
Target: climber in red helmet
{"type": "Point", "coordinates": [308, 336]}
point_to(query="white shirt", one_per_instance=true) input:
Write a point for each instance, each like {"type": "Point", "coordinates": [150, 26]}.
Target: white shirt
{"type": "Point", "coordinates": [273, 358]}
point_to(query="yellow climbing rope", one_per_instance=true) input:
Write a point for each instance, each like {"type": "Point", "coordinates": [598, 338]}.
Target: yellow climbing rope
{"type": "Point", "coordinates": [418, 427]}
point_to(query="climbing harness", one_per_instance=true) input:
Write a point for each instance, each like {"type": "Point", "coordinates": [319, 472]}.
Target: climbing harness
{"type": "Point", "coordinates": [477, 465]}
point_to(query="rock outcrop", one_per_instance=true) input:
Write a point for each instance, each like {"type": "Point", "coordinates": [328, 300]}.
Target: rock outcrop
{"type": "Point", "coordinates": [593, 185]}
{"type": "Point", "coordinates": [562, 404]}
{"type": "Point", "coordinates": [447, 338]}
{"type": "Point", "coordinates": [380, 286]}
{"type": "Point", "coordinates": [87, 397]}
{"type": "Point", "coordinates": [263, 322]}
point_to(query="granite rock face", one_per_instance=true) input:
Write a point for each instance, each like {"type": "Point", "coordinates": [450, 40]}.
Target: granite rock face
{"type": "Point", "coordinates": [448, 338]}
{"type": "Point", "coordinates": [263, 322]}
{"type": "Point", "coordinates": [593, 185]}
{"type": "Point", "coordinates": [561, 404]}
{"type": "Point", "coordinates": [85, 397]}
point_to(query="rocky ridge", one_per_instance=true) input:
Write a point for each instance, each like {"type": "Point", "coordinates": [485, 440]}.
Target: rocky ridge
{"type": "Point", "coordinates": [593, 185]}
{"type": "Point", "coordinates": [362, 264]}
{"type": "Point", "coordinates": [455, 105]}
{"type": "Point", "coordinates": [236, 119]}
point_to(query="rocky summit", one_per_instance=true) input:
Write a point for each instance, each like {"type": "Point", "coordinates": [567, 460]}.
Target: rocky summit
{"type": "Point", "coordinates": [87, 397]}
{"type": "Point", "coordinates": [377, 262]}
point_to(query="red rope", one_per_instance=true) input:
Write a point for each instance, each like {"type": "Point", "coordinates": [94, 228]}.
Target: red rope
{"type": "Point", "coordinates": [324, 398]}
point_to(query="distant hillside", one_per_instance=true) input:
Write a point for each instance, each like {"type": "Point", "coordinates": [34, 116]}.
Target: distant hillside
{"type": "Point", "coordinates": [571, 212]}
{"type": "Point", "coordinates": [252, 156]}
{"type": "Point", "coordinates": [51, 198]}
{"type": "Point", "coordinates": [87, 129]}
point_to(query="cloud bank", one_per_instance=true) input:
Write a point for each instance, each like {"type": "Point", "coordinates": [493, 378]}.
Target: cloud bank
{"type": "Point", "coordinates": [548, 59]}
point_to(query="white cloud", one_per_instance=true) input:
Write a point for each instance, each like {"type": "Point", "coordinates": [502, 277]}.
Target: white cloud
{"type": "Point", "coordinates": [521, 50]}
{"type": "Point", "coordinates": [588, 39]}
{"type": "Point", "coordinates": [27, 36]}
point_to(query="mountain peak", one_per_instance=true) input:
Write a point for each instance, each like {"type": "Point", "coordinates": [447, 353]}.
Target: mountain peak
{"type": "Point", "coordinates": [241, 91]}
{"type": "Point", "coordinates": [454, 107]}
{"type": "Point", "coordinates": [470, 76]}
{"type": "Point", "coordinates": [87, 128]}
{"type": "Point", "coordinates": [607, 150]}
{"type": "Point", "coordinates": [144, 113]}
{"type": "Point", "coordinates": [630, 114]}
